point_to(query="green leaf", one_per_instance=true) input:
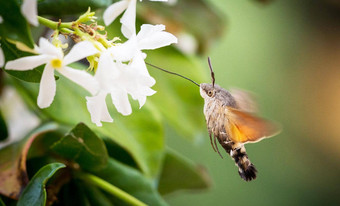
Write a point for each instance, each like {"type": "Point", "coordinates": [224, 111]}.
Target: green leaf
{"type": "Point", "coordinates": [13, 163]}
{"type": "Point", "coordinates": [192, 177]}
{"type": "Point", "coordinates": [36, 163]}
{"type": "Point", "coordinates": [141, 133]}
{"type": "Point", "coordinates": [66, 7]}
{"type": "Point", "coordinates": [84, 147]}
{"type": "Point", "coordinates": [195, 17]}
{"type": "Point", "coordinates": [118, 153]}
{"type": "Point", "coordinates": [3, 128]}
{"type": "Point", "coordinates": [11, 53]}
{"type": "Point", "coordinates": [35, 193]}
{"type": "Point", "coordinates": [41, 145]}
{"type": "Point", "coordinates": [14, 25]}
{"type": "Point", "coordinates": [178, 99]}
{"type": "Point", "coordinates": [131, 181]}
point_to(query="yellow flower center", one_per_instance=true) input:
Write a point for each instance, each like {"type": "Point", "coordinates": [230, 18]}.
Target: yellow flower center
{"type": "Point", "coordinates": [56, 63]}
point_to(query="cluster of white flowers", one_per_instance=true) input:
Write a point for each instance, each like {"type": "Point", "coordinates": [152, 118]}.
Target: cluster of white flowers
{"type": "Point", "coordinates": [121, 70]}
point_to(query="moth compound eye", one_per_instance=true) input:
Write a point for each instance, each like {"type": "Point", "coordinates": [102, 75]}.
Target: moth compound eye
{"type": "Point", "coordinates": [210, 93]}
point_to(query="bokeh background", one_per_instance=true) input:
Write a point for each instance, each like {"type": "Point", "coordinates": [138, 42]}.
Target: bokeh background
{"type": "Point", "coordinates": [288, 54]}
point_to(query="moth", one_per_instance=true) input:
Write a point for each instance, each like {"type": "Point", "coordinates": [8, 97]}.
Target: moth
{"type": "Point", "coordinates": [231, 120]}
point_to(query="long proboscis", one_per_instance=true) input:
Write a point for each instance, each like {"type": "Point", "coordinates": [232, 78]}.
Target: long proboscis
{"type": "Point", "coordinates": [164, 70]}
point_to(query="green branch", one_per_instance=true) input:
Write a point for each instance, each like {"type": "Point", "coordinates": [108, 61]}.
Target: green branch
{"type": "Point", "coordinates": [94, 180]}
{"type": "Point", "coordinates": [53, 24]}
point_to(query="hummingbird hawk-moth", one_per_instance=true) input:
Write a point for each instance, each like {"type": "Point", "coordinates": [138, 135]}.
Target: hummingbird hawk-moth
{"type": "Point", "coordinates": [233, 123]}
{"type": "Point", "coordinates": [231, 120]}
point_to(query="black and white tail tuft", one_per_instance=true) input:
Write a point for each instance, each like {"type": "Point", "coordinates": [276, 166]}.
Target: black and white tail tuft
{"type": "Point", "coordinates": [246, 169]}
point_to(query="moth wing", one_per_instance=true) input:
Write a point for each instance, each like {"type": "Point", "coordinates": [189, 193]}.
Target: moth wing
{"type": "Point", "coordinates": [245, 127]}
{"type": "Point", "coordinates": [245, 100]}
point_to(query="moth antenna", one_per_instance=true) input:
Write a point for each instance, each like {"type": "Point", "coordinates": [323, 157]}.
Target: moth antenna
{"type": "Point", "coordinates": [211, 72]}
{"type": "Point", "coordinates": [172, 73]}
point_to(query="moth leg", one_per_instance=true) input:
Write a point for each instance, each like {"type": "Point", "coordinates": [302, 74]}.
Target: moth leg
{"type": "Point", "coordinates": [218, 151]}
{"type": "Point", "coordinates": [211, 142]}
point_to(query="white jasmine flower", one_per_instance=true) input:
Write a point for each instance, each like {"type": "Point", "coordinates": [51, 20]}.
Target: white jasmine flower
{"type": "Point", "coordinates": [149, 37]}
{"type": "Point", "coordinates": [29, 11]}
{"type": "Point", "coordinates": [54, 59]}
{"type": "Point", "coordinates": [108, 77]}
{"type": "Point", "coordinates": [120, 80]}
{"type": "Point", "coordinates": [128, 20]}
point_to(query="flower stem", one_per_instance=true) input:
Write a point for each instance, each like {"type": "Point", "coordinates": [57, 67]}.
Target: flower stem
{"type": "Point", "coordinates": [53, 24]}
{"type": "Point", "coordinates": [111, 189]}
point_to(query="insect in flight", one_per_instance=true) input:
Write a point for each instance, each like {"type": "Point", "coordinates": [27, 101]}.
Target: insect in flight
{"type": "Point", "coordinates": [231, 121]}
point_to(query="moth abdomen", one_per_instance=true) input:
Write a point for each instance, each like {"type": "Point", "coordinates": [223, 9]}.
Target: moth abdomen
{"type": "Point", "coordinates": [246, 170]}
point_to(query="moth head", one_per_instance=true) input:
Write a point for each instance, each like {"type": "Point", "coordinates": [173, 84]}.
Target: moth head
{"type": "Point", "coordinates": [207, 90]}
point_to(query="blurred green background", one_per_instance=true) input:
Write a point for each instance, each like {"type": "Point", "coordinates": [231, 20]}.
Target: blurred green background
{"type": "Point", "coordinates": [288, 54]}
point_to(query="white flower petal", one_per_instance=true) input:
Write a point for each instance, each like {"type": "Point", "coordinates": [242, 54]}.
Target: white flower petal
{"type": "Point", "coordinates": [147, 81]}
{"type": "Point", "coordinates": [111, 13]}
{"type": "Point", "coordinates": [129, 20]}
{"type": "Point", "coordinates": [153, 37]}
{"type": "Point", "coordinates": [47, 87]}
{"type": "Point", "coordinates": [139, 64]}
{"type": "Point", "coordinates": [2, 58]}
{"type": "Point", "coordinates": [141, 93]}
{"type": "Point", "coordinates": [121, 101]}
{"type": "Point", "coordinates": [158, 40]}
{"type": "Point", "coordinates": [147, 91]}
{"type": "Point", "coordinates": [136, 84]}
{"type": "Point", "coordinates": [45, 47]}
{"type": "Point", "coordinates": [1, 19]}
{"type": "Point", "coordinates": [98, 109]}
{"type": "Point", "coordinates": [27, 63]}
{"type": "Point", "coordinates": [148, 29]}
{"type": "Point", "coordinates": [106, 72]}
{"type": "Point", "coordinates": [126, 51]}
{"type": "Point", "coordinates": [29, 10]}
{"type": "Point", "coordinates": [80, 77]}
{"type": "Point", "coordinates": [79, 51]}
{"type": "Point", "coordinates": [141, 101]}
